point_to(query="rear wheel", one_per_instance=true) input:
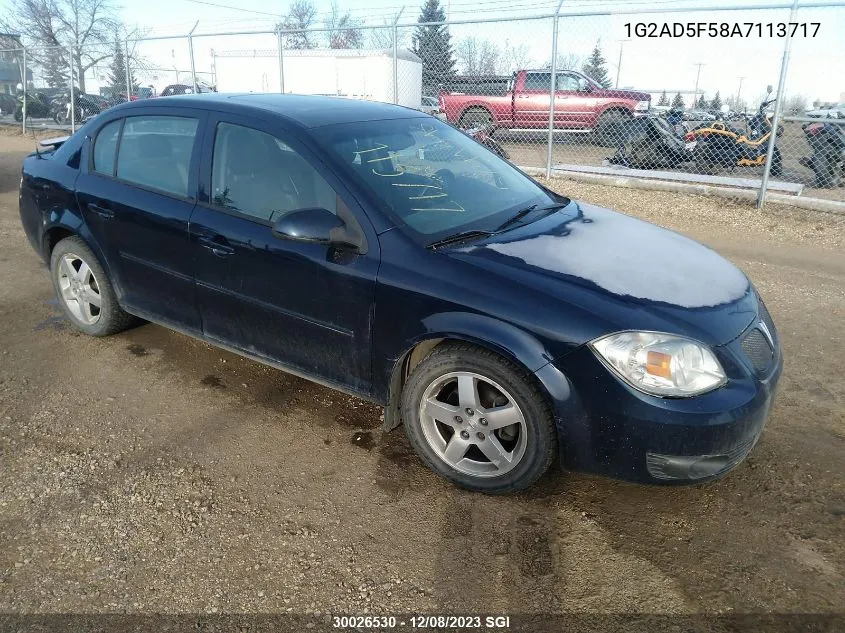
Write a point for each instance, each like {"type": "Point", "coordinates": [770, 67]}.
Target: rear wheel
{"type": "Point", "coordinates": [84, 291]}
{"type": "Point", "coordinates": [478, 420]}
{"type": "Point", "coordinates": [827, 175]}
{"type": "Point", "coordinates": [777, 163]}
{"type": "Point", "coordinates": [611, 128]}
{"type": "Point", "coordinates": [475, 117]}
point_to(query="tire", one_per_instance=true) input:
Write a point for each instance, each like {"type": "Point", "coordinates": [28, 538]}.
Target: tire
{"type": "Point", "coordinates": [824, 170]}
{"type": "Point", "coordinates": [475, 117]}
{"type": "Point", "coordinates": [777, 163]}
{"type": "Point", "coordinates": [496, 148]}
{"type": "Point", "coordinates": [79, 279]}
{"type": "Point", "coordinates": [610, 128]}
{"type": "Point", "coordinates": [704, 164]}
{"type": "Point", "coordinates": [493, 387]}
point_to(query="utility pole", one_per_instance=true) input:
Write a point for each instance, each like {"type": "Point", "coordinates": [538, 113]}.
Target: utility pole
{"type": "Point", "coordinates": [697, 75]}
{"type": "Point", "coordinates": [619, 65]}
{"type": "Point", "coordinates": [739, 92]}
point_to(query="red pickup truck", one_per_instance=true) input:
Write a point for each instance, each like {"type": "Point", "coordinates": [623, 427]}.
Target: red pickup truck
{"type": "Point", "coordinates": [580, 104]}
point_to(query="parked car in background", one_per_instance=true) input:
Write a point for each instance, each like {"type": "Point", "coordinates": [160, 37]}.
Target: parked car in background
{"type": "Point", "coordinates": [430, 105]}
{"type": "Point", "coordinates": [698, 115]}
{"type": "Point", "coordinates": [835, 111]}
{"type": "Point", "coordinates": [8, 103]}
{"type": "Point", "coordinates": [185, 89]}
{"type": "Point", "coordinates": [580, 104]}
{"type": "Point", "coordinates": [377, 250]}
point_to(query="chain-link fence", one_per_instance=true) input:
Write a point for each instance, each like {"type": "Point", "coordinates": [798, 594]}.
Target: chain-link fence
{"type": "Point", "coordinates": [709, 96]}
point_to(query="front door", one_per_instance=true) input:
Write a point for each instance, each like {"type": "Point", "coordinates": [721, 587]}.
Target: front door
{"type": "Point", "coordinates": [307, 306]}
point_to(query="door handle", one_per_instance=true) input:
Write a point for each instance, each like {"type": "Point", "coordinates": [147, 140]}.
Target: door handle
{"type": "Point", "coordinates": [216, 245]}
{"type": "Point", "coordinates": [106, 214]}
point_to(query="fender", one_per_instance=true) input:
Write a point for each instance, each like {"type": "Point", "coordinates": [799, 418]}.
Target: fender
{"type": "Point", "coordinates": [68, 220]}
{"type": "Point", "coordinates": [484, 331]}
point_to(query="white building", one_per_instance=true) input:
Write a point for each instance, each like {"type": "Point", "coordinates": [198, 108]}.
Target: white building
{"type": "Point", "coordinates": [354, 73]}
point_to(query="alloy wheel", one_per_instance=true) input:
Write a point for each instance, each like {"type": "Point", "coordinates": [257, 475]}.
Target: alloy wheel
{"type": "Point", "coordinates": [473, 424]}
{"type": "Point", "coordinates": [79, 289]}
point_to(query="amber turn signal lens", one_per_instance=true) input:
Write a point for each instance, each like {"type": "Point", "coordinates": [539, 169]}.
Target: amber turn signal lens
{"type": "Point", "coordinates": [659, 364]}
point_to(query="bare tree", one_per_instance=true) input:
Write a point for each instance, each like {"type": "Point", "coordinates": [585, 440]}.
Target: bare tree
{"type": "Point", "coordinates": [383, 37]}
{"type": "Point", "coordinates": [513, 58]}
{"type": "Point", "coordinates": [795, 104]}
{"type": "Point", "coordinates": [466, 55]}
{"type": "Point", "coordinates": [567, 61]}
{"type": "Point", "coordinates": [300, 18]}
{"type": "Point", "coordinates": [344, 31]}
{"type": "Point", "coordinates": [477, 57]}
{"type": "Point", "coordinates": [82, 28]}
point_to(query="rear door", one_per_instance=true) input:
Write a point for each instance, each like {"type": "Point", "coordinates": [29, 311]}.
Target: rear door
{"type": "Point", "coordinates": [531, 104]}
{"type": "Point", "coordinates": [573, 105]}
{"type": "Point", "coordinates": [136, 195]}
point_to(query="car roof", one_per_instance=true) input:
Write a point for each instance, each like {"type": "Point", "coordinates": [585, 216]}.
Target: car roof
{"type": "Point", "coordinates": [305, 110]}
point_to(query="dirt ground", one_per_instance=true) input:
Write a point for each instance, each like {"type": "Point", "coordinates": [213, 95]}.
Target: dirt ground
{"type": "Point", "coordinates": [149, 472]}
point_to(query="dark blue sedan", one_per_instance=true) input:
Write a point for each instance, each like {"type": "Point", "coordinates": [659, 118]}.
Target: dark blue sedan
{"type": "Point", "coordinates": [384, 253]}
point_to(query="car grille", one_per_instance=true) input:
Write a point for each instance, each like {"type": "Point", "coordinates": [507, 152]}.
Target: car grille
{"type": "Point", "coordinates": [767, 319]}
{"type": "Point", "coordinates": [758, 350]}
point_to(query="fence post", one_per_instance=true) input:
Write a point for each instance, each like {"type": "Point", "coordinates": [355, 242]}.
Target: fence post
{"type": "Point", "coordinates": [552, 91]}
{"type": "Point", "coordinates": [23, 83]}
{"type": "Point", "coordinates": [396, 56]}
{"type": "Point", "coordinates": [126, 58]}
{"type": "Point", "coordinates": [72, 96]}
{"type": "Point", "coordinates": [770, 150]}
{"type": "Point", "coordinates": [280, 46]}
{"type": "Point", "coordinates": [191, 51]}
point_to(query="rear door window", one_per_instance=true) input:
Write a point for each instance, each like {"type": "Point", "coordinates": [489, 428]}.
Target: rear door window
{"type": "Point", "coordinates": [538, 81]}
{"type": "Point", "coordinates": [155, 152]}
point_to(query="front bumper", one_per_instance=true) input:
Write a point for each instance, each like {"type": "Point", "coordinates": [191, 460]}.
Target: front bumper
{"type": "Point", "coordinates": [607, 427]}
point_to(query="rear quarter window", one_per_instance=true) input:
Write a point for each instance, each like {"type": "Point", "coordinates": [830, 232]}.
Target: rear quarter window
{"type": "Point", "coordinates": [105, 147]}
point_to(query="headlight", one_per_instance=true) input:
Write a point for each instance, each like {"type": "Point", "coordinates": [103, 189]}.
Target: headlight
{"type": "Point", "coordinates": [642, 106]}
{"type": "Point", "coordinates": [661, 364]}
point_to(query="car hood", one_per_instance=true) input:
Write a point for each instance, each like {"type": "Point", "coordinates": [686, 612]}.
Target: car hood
{"type": "Point", "coordinates": [620, 273]}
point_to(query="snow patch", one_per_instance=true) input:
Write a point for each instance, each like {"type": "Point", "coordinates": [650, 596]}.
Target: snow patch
{"type": "Point", "coordinates": [630, 257]}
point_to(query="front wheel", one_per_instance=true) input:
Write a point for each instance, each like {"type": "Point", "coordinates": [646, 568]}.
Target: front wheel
{"type": "Point", "coordinates": [84, 291]}
{"type": "Point", "coordinates": [478, 420]}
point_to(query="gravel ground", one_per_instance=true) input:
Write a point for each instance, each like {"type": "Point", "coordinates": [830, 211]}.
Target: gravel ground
{"type": "Point", "coordinates": [148, 472]}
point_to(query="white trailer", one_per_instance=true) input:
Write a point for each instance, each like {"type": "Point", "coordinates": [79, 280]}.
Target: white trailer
{"type": "Point", "coordinates": [353, 73]}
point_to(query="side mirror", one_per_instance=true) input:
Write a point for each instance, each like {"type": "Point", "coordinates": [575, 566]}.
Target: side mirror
{"type": "Point", "coordinates": [584, 86]}
{"type": "Point", "coordinates": [315, 225]}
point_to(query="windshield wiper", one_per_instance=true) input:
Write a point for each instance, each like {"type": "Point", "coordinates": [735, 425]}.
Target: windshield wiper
{"type": "Point", "coordinates": [524, 212]}
{"type": "Point", "coordinates": [463, 236]}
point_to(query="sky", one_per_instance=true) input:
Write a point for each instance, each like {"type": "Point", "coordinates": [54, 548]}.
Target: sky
{"type": "Point", "coordinates": [816, 63]}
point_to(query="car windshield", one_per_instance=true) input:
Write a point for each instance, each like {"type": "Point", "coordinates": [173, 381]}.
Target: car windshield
{"type": "Point", "coordinates": [432, 178]}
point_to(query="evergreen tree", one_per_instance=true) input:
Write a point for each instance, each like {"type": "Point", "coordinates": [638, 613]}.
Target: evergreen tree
{"type": "Point", "coordinates": [117, 71]}
{"type": "Point", "coordinates": [678, 101]}
{"type": "Point", "coordinates": [716, 103]}
{"type": "Point", "coordinates": [664, 100]}
{"type": "Point", "coordinates": [596, 67]}
{"type": "Point", "coordinates": [56, 73]}
{"type": "Point", "coordinates": [702, 102]}
{"type": "Point", "coordinates": [432, 45]}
